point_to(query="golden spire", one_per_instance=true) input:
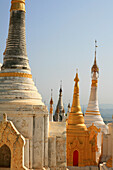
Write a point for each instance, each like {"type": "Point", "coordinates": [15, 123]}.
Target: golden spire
{"type": "Point", "coordinates": [17, 5]}
{"type": "Point", "coordinates": [76, 119]}
{"type": "Point", "coordinates": [95, 67]}
{"type": "Point", "coordinates": [76, 102]}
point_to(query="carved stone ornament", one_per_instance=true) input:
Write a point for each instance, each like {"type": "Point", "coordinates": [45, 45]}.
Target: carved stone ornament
{"type": "Point", "coordinates": [11, 146]}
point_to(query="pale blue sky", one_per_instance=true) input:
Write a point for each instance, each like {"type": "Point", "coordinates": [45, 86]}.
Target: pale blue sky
{"type": "Point", "coordinates": [60, 38]}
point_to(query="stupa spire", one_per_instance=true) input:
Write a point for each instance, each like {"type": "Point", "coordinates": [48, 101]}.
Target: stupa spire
{"type": "Point", "coordinates": [95, 67]}
{"type": "Point", "coordinates": [76, 101]}
{"type": "Point", "coordinates": [76, 119]}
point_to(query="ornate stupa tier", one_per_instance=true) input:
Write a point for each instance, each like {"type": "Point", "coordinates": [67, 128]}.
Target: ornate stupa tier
{"type": "Point", "coordinates": [16, 84]}
{"type": "Point", "coordinates": [76, 119]}
{"type": "Point", "coordinates": [15, 55]}
{"type": "Point", "coordinates": [92, 114]}
{"type": "Point", "coordinates": [19, 89]}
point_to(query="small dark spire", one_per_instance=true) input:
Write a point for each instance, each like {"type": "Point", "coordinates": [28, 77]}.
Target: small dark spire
{"type": "Point", "coordinates": [76, 78]}
{"type": "Point", "coordinates": [60, 87]}
{"type": "Point", "coordinates": [69, 105]}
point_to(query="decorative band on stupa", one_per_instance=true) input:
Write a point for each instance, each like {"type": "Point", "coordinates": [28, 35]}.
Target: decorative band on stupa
{"type": "Point", "coordinates": [11, 74]}
{"type": "Point", "coordinates": [17, 5]}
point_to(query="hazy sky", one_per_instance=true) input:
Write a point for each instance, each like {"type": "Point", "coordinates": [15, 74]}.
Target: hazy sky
{"type": "Point", "coordinates": [60, 38]}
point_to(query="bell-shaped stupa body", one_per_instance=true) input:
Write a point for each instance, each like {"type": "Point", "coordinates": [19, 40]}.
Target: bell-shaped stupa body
{"type": "Point", "coordinates": [19, 98]}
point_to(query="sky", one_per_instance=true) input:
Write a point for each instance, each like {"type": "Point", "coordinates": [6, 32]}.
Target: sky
{"type": "Point", "coordinates": [60, 36]}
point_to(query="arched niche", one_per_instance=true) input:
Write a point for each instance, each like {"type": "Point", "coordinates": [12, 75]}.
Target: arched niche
{"type": "Point", "coordinates": [5, 157]}
{"type": "Point", "coordinates": [75, 158]}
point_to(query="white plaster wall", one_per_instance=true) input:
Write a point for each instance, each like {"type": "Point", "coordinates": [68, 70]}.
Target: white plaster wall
{"type": "Point", "coordinates": [61, 151]}
{"type": "Point", "coordinates": [46, 130]}
{"type": "Point", "coordinates": [57, 145]}
{"type": "Point", "coordinates": [109, 154]}
{"type": "Point", "coordinates": [57, 128]}
{"type": "Point", "coordinates": [52, 152]}
{"type": "Point", "coordinates": [23, 123]}
{"type": "Point", "coordinates": [38, 142]}
{"type": "Point", "coordinates": [26, 153]}
{"type": "Point", "coordinates": [105, 147]}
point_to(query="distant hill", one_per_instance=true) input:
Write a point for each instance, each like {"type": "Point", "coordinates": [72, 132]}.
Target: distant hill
{"type": "Point", "coordinates": [106, 110]}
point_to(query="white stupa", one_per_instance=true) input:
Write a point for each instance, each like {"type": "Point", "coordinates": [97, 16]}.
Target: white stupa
{"type": "Point", "coordinates": [92, 114]}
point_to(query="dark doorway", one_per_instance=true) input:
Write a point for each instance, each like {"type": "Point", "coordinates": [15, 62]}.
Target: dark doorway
{"type": "Point", "coordinates": [5, 157]}
{"type": "Point", "coordinates": [75, 158]}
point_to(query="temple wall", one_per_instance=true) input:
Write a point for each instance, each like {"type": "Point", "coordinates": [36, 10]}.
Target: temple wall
{"type": "Point", "coordinates": [57, 145]}
{"type": "Point", "coordinates": [38, 142]}
{"type": "Point", "coordinates": [52, 152]}
{"type": "Point", "coordinates": [33, 123]}
{"type": "Point", "coordinates": [46, 130]}
{"type": "Point", "coordinates": [23, 123]}
{"type": "Point", "coordinates": [107, 144]}
{"type": "Point", "coordinates": [61, 151]}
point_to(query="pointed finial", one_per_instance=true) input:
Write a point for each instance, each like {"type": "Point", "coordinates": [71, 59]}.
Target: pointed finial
{"type": "Point", "coordinates": [69, 105]}
{"type": "Point", "coordinates": [95, 67]}
{"type": "Point", "coordinates": [95, 44]}
{"type": "Point", "coordinates": [51, 101]}
{"type": "Point", "coordinates": [51, 93]}
{"type": "Point", "coordinates": [76, 78]}
{"type": "Point", "coordinates": [95, 50]}
{"type": "Point", "coordinates": [60, 86]}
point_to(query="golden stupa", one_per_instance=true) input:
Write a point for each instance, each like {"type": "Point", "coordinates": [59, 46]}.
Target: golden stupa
{"type": "Point", "coordinates": [81, 142]}
{"type": "Point", "coordinates": [76, 120]}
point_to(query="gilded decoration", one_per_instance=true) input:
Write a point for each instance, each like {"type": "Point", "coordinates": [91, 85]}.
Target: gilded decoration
{"type": "Point", "coordinates": [18, 5]}
{"type": "Point", "coordinates": [94, 83]}
{"type": "Point", "coordinates": [13, 74]}
{"type": "Point", "coordinates": [93, 131]}
{"type": "Point", "coordinates": [11, 138]}
{"type": "Point", "coordinates": [109, 163]}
